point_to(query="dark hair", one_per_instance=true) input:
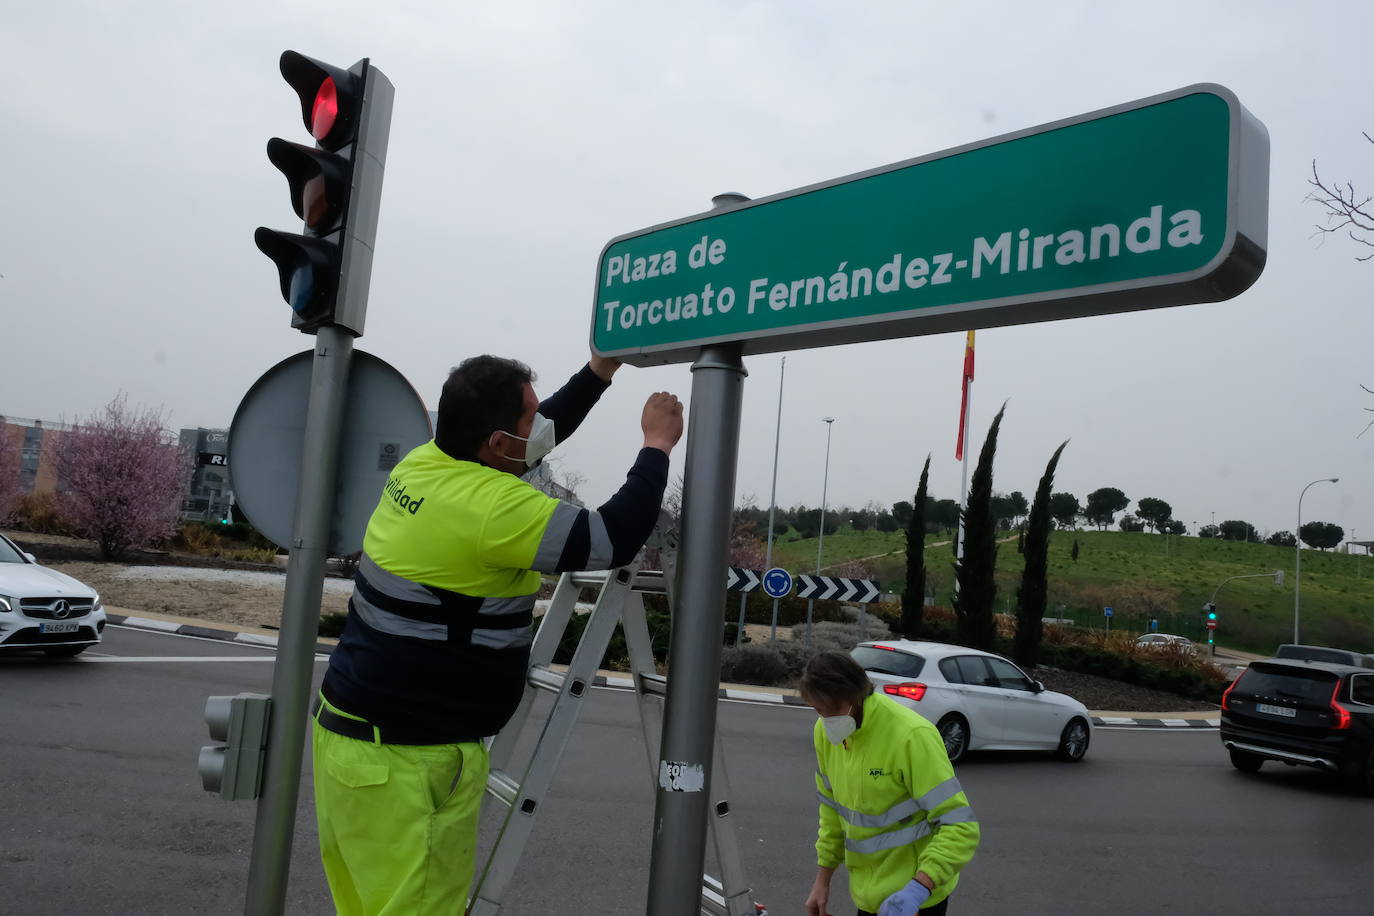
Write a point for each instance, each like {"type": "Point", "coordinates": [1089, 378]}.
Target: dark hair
{"type": "Point", "coordinates": [833, 676]}
{"type": "Point", "coordinates": [482, 395]}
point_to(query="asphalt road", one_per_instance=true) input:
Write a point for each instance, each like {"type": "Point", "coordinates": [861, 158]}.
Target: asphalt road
{"type": "Point", "coordinates": [101, 809]}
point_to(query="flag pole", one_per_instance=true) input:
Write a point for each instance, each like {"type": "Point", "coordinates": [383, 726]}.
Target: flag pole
{"type": "Point", "coordinates": [961, 449]}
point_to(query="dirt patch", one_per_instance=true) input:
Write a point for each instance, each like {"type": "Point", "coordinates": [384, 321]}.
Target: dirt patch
{"type": "Point", "coordinates": [227, 603]}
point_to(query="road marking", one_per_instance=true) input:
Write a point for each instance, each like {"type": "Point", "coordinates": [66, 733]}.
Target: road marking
{"type": "Point", "coordinates": [1118, 720]}
{"type": "Point", "coordinates": [1175, 723]}
{"type": "Point", "coordinates": [183, 658]}
{"type": "Point", "coordinates": [147, 623]}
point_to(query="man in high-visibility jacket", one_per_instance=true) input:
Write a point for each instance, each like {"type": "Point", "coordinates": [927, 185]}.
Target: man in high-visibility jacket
{"type": "Point", "coordinates": [436, 645]}
{"type": "Point", "coordinates": [891, 809]}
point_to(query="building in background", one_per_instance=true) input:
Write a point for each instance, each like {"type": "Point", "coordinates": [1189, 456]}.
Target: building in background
{"type": "Point", "coordinates": [37, 441]}
{"type": "Point", "coordinates": [209, 497]}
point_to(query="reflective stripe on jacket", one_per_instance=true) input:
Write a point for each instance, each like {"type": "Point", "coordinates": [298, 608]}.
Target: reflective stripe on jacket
{"type": "Point", "coordinates": [890, 805]}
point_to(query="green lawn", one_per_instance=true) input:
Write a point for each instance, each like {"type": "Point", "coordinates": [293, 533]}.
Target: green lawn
{"type": "Point", "coordinates": [1140, 576]}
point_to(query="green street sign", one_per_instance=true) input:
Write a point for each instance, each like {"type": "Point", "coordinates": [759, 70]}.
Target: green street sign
{"type": "Point", "coordinates": [1158, 202]}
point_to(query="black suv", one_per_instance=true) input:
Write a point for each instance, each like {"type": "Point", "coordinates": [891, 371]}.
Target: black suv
{"type": "Point", "coordinates": [1298, 711]}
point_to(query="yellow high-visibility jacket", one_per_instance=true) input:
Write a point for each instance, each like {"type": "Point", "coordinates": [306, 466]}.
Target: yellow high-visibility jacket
{"type": "Point", "coordinates": [890, 806]}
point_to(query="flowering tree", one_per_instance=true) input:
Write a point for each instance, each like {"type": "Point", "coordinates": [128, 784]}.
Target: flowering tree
{"type": "Point", "coordinates": [9, 472]}
{"type": "Point", "coordinates": [121, 479]}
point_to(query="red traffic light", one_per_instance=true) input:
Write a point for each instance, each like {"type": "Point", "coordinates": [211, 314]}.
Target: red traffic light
{"type": "Point", "coordinates": [331, 98]}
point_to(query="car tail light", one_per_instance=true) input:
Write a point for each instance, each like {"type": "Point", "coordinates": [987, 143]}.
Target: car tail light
{"type": "Point", "coordinates": [884, 648]}
{"type": "Point", "coordinates": [1226, 694]}
{"type": "Point", "coordinates": [1339, 712]}
{"type": "Point", "coordinates": [915, 691]}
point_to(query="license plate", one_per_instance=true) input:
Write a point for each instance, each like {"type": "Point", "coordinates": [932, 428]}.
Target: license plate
{"type": "Point", "coordinates": [61, 627]}
{"type": "Point", "coordinates": [1285, 711]}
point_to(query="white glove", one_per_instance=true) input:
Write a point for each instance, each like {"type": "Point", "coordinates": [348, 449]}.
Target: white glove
{"type": "Point", "coordinates": [906, 901]}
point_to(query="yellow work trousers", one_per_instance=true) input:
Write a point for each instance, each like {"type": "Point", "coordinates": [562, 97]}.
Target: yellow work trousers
{"type": "Point", "coordinates": [398, 823]}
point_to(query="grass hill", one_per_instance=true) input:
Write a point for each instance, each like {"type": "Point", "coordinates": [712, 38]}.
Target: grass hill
{"type": "Point", "coordinates": [1141, 576]}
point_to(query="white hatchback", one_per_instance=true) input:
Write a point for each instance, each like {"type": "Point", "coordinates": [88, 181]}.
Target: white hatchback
{"type": "Point", "coordinates": [978, 701]}
{"type": "Point", "coordinates": [43, 609]}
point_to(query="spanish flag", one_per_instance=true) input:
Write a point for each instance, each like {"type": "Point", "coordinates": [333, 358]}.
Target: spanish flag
{"type": "Point", "coordinates": [963, 402]}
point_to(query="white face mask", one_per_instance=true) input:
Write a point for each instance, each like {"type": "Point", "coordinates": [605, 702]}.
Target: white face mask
{"type": "Point", "coordinates": [540, 442]}
{"type": "Point", "coordinates": [838, 728]}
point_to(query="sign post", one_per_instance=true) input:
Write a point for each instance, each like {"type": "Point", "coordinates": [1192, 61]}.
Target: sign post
{"type": "Point", "coordinates": [689, 714]}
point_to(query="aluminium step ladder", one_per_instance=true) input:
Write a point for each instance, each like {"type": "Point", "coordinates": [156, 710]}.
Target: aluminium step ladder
{"type": "Point", "coordinates": [522, 789]}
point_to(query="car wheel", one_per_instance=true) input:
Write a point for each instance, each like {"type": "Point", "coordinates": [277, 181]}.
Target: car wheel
{"type": "Point", "coordinates": [1246, 762]}
{"type": "Point", "coordinates": [64, 651]}
{"type": "Point", "coordinates": [954, 732]}
{"type": "Point", "coordinates": [1073, 741]}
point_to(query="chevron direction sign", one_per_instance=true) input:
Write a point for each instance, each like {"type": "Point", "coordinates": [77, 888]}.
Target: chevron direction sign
{"type": "Point", "coordinates": [741, 580]}
{"type": "Point", "coordinates": [835, 588]}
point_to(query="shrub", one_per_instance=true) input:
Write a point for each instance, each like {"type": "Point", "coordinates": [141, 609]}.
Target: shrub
{"type": "Point", "coordinates": [760, 664]}
{"type": "Point", "coordinates": [37, 513]}
{"type": "Point", "coordinates": [264, 555]}
{"type": "Point", "coordinates": [196, 537]}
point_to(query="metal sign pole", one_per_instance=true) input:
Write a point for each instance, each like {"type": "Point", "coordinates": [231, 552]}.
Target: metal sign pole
{"type": "Point", "coordinates": [689, 719]}
{"type": "Point", "coordinates": [294, 669]}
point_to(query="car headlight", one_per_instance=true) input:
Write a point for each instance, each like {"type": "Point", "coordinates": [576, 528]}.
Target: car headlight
{"type": "Point", "coordinates": [5, 603]}
{"type": "Point", "coordinates": [96, 605]}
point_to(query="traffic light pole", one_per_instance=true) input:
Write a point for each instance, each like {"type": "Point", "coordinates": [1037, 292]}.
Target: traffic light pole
{"type": "Point", "coordinates": [293, 672]}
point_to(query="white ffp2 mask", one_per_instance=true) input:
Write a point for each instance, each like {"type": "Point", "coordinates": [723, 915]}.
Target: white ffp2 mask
{"type": "Point", "coordinates": [540, 442]}
{"type": "Point", "coordinates": [838, 728]}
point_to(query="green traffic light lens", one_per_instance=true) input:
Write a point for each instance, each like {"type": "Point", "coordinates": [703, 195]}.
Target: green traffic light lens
{"type": "Point", "coordinates": [325, 111]}
{"type": "Point", "coordinates": [301, 295]}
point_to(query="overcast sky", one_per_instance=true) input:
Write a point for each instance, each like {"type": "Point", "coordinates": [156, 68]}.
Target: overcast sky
{"type": "Point", "coordinates": [527, 135]}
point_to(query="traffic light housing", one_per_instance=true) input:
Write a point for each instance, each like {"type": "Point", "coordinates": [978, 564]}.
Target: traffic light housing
{"type": "Point", "coordinates": [234, 771]}
{"type": "Point", "coordinates": [336, 188]}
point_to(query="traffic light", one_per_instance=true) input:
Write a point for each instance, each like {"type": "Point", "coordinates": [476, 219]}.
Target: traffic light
{"type": "Point", "coordinates": [235, 770]}
{"type": "Point", "coordinates": [336, 189]}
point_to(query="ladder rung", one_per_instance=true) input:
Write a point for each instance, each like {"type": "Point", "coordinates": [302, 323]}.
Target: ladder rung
{"type": "Point", "coordinates": [648, 580]}
{"type": "Point", "coordinates": [656, 684]}
{"type": "Point", "coordinates": [546, 679]}
{"type": "Point", "coordinates": [503, 788]}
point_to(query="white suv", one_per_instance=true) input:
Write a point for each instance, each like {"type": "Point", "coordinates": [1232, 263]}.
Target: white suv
{"type": "Point", "coordinates": [976, 699]}
{"type": "Point", "coordinates": [43, 609]}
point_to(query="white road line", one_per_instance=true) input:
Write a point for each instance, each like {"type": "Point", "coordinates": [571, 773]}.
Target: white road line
{"type": "Point", "coordinates": [183, 658]}
{"type": "Point", "coordinates": [1118, 720]}
{"type": "Point", "coordinates": [147, 623]}
{"type": "Point", "coordinates": [1175, 723]}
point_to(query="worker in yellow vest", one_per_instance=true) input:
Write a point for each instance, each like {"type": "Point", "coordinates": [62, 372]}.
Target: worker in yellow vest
{"type": "Point", "coordinates": [891, 809]}
{"type": "Point", "coordinates": [435, 648]}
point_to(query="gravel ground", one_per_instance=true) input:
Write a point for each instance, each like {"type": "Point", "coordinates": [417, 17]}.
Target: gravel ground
{"type": "Point", "coordinates": [247, 594]}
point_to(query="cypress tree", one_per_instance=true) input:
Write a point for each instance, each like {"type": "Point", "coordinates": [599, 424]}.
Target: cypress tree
{"type": "Point", "coordinates": [1075, 550]}
{"type": "Point", "coordinates": [975, 571]}
{"type": "Point", "coordinates": [1030, 598]}
{"type": "Point", "coordinates": [914, 597]}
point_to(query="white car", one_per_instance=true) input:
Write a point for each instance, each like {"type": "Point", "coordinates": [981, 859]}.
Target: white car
{"type": "Point", "coordinates": [978, 701]}
{"type": "Point", "coordinates": [1165, 641]}
{"type": "Point", "coordinates": [43, 609]}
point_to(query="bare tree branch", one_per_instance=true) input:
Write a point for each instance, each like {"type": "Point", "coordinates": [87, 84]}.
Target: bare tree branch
{"type": "Point", "coordinates": [1345, 209]}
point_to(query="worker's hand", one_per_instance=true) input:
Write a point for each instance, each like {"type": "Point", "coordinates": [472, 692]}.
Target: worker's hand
{"type": "Point", "coordinates": [603, 366]}
{"type": "Point", "coordinates": [662, 421]}
{"type": "Point", "coordinates": [906, 901]}
{"type": "Point", "coordinates": [818, 898]}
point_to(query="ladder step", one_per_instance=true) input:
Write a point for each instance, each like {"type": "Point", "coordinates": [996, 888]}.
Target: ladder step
{"type": "Point", "coordinates": [503, 788]}
{"type": "Point", "coordinates": [544, 678]}
{"type": "Point", "coordinates": [647, 580]}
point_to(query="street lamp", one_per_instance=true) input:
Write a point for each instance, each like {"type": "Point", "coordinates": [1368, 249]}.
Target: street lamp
{"type": "Point", "coordinates": [1297, 550]}
{"type": "Point", "coordinates": [820, 544]}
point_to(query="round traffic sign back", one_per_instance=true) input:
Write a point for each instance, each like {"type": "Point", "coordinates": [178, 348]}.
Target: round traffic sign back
{"type": "Point", "coordinates": [777, 583]}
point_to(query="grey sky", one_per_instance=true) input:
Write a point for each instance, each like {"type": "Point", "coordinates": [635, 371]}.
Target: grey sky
{"type": "Point", "coordinates": [527, 135]}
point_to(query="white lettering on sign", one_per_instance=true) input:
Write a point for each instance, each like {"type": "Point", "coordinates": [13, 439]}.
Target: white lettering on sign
{"type": "Point", "coordinates": [1015, 251]}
